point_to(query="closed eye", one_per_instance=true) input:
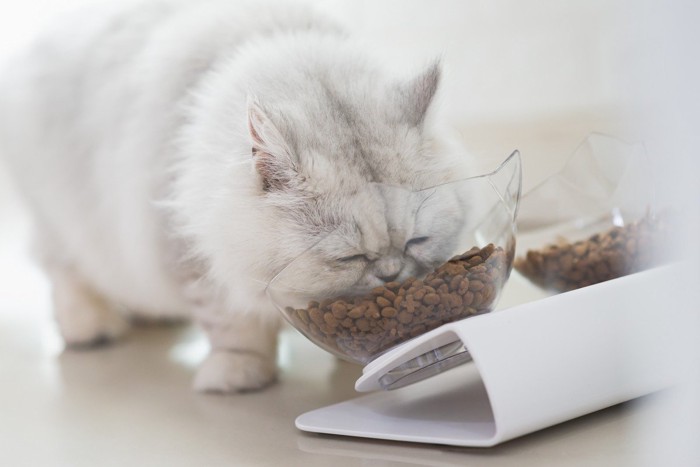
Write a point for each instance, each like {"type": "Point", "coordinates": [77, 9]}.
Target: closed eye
{"type": "Point", "coordinates": [416, 241]}
{"type": "Point", "coordinates": [358, 257]}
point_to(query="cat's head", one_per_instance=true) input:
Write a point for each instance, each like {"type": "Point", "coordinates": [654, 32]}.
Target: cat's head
{"type": "Point", "coordinates": [345, 189]}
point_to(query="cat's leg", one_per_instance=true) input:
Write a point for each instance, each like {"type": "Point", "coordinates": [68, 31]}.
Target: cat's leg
{"type": "Point", "coordinates": [84, 317]}
{"type": "Point", "coordinates": [243, 355]}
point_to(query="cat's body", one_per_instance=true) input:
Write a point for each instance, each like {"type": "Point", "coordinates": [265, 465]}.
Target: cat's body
{"type": "Point", "coordinates": [176, 156]}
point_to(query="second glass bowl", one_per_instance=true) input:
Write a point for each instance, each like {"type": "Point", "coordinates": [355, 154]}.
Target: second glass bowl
{"type": "Point", "coordinates": [593, 221]}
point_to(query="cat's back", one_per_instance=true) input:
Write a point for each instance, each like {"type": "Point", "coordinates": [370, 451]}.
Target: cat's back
{"type": "Point", "coordinates": [108, 83]}
{"type": "Point", "coordinates": [103, 63]}
{"type": "Point", "coordinates": [87, 115]}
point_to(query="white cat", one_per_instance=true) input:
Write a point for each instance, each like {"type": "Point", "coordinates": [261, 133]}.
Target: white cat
{"type": "Point", "coordinates": [176, 156]}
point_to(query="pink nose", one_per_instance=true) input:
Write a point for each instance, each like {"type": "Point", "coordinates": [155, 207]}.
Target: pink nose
{"type": "Point", "coordinates": [387, 269]}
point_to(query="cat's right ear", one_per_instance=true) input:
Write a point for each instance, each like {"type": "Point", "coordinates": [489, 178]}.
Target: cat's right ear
{"type": "Point", "coordinates": [417, 94]}
{"type": "Point", "coordinates": [272, 158]}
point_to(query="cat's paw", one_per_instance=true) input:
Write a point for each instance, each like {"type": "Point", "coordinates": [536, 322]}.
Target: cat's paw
{"type": "Point", "coordinates": [230, 371]}
{"type": "Point", "coordinates": [84, 318]}
{"type": "Point", "coordinates": [86, 328]}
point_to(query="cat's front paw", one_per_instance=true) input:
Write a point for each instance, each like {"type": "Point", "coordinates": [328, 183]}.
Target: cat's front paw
{"type": "Point", "coordinates": [232, 371]}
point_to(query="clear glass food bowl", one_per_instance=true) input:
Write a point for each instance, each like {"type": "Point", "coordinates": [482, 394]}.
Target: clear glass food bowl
{"type": "Point", "coordinates": [410, 262]}
{"type": "Point", "coordinates": [593, 221]}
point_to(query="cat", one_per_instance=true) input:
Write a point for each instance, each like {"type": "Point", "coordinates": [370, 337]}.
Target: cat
{"type": "Point", "coordinates": [177, 156]}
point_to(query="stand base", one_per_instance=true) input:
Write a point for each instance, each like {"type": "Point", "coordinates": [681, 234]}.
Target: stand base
{"type": "Point", "coordinates": [451, 408]}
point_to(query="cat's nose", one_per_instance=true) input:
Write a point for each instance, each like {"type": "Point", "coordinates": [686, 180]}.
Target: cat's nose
{"type": "Point", "coordinates": [388, 278]}
{"type": "Point", "coordinates": [388, 269]}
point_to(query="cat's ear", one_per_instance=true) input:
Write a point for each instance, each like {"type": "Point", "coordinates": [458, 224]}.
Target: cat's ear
{"type": "Point", "coordinates": [417, 94]}
{"type": "Point", "coordinates": [271, 156]}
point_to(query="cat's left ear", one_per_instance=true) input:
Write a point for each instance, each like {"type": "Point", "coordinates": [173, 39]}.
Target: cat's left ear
{"type": "Point", "coordinates": [417, 94]}
{"type": "Point", "coordinates": [272, 157]}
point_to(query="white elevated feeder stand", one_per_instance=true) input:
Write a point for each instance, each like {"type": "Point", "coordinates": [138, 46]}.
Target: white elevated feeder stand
{"type": "Point", "coordinates": [534, 365]}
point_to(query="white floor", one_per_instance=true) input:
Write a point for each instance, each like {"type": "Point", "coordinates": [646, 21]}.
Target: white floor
{"type": "Point", "coordinates": [131, 404]}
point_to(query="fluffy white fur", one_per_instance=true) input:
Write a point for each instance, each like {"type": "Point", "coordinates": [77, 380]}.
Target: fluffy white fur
{"type": "Point", "coordinates": [177, 156]}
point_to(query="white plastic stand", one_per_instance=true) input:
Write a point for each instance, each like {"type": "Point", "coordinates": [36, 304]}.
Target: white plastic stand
{"type": "Point", "coordinates": [534, 365]}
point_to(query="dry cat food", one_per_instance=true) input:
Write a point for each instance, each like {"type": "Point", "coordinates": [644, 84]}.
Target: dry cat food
{"type": "Point", "coordinates": [365, 326]}
{"type": "Point", "coordinates": [603, 256]}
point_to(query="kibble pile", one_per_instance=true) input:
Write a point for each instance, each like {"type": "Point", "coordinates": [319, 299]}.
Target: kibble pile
{"type": "Point", "coordinates": [604, 256]}
{"type": "Point", "coordinates": [365, 326]}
